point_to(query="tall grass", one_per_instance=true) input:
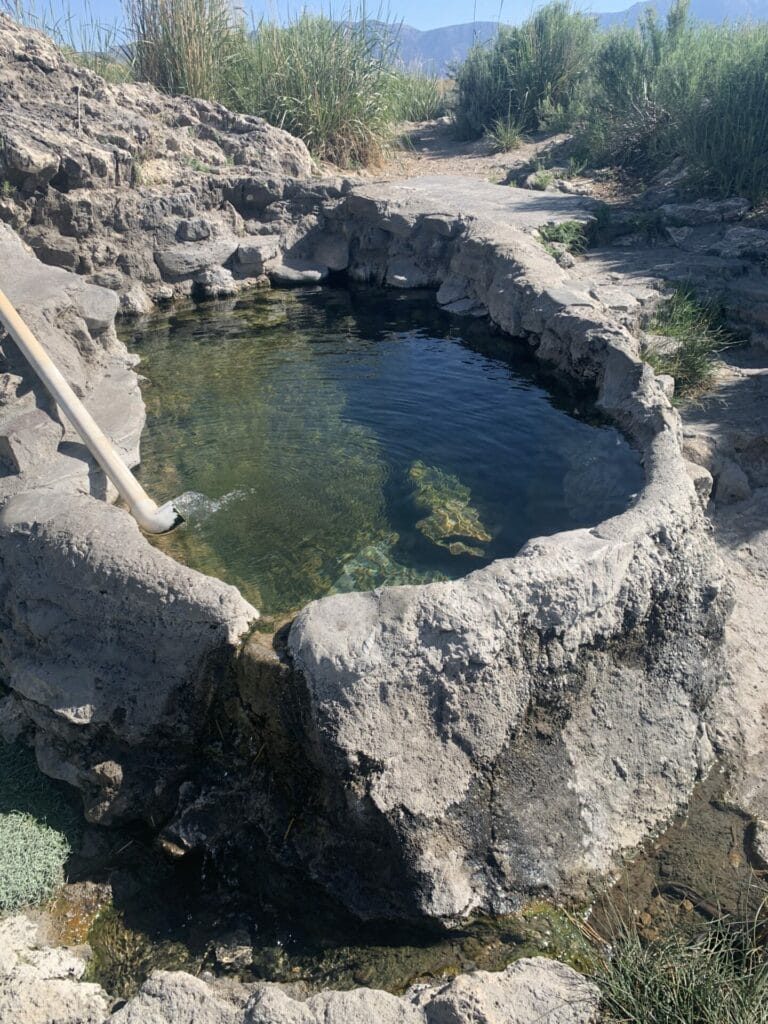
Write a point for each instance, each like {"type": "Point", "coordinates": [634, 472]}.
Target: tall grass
{"type": "Point", "coordinates": [418, 96]}
{"type": "Point", "coordinates": [717, 977]}
{"type": "Point", "coordinates": [183, 46]}
{"type": "Point", "coordinates": [529, 73]}
{"type": "Point", "coordinates": [330, 83]}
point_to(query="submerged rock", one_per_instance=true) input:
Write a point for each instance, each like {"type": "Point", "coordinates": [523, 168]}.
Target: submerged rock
{"type": "Point", "coordinates": [452, 520]}
{"type": "Point", "coordinates": [374, 566]}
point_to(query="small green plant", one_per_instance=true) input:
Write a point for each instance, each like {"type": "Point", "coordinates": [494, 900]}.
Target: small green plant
{"type": "Point", "coordinates": [542, 180]}
{"type": "Point", "coordinates": [6, 189]}
{"type": "Point", "coordinates": [505, 135]}
{"type": "Point", "coordinates": [569, 235]}
{"type": "Point", "coordinates": [698, 336]}
{"type": "Point", "coordinates": [718, 976]}
{"type": "Point", "coordinates": [38, 825]}
{"type": "Point", "coordinates": [195, 164]}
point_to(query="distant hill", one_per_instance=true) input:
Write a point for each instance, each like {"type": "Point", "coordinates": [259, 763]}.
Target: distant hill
{"type": "Point", "coordinates": [437, 49]}
{"type": "Point", "coordinates": [714, 11]}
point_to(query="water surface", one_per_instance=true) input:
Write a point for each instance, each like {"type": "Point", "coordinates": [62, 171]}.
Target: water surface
{"type": "Point", "coordinates": [340, 439]}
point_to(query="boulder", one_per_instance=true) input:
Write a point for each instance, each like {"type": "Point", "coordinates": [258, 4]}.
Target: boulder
{"type": "Point", "coordinates": [704, 211]}
{"type": "Point", "coordinates": [527, 991]}
{"type": "Point", "coordinates": [115, 649]}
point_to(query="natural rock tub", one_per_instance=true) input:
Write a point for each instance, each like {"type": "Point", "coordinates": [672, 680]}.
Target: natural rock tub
{"type": "Point", "coordinates": [334, 440]}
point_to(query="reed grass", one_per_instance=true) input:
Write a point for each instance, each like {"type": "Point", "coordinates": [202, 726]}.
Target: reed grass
{"type": "Point", "coordinates": [183, 46]}
{"type": "Point", "coordinates": [418, 96]}
{"type": "Point", "coordinates": [331, 83]}
{"type": "Point", "coordinates": [529, 74]}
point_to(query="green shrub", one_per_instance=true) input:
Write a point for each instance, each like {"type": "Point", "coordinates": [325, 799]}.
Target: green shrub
{"type": "Point", "coordinates": [39, 822]}
{"type": "Point", "coordinates": [679, 89]}
{"type": "Point", "coordinates": [529, 73]}
{"type": "Point", "coordinates": [699, 335]}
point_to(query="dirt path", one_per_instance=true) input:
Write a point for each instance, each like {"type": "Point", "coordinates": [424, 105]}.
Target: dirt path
{"type": "Point", "coordinates": [430, 148]}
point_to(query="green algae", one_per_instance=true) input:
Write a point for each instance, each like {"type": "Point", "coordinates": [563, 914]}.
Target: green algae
{"type": "Point", "coordinates": [124, 957]}
{"type": "Point", "coordinates": [452, 521]}
{"type": "Point", "coordinates": [375, 565]}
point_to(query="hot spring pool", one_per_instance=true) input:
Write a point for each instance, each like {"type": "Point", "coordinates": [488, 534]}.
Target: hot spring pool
{"type": "Point", "coordinates": [329, 440]}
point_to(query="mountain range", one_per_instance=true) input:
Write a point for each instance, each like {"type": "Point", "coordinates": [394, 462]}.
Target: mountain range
{"type": "Point", "coordinates": [435, 50]}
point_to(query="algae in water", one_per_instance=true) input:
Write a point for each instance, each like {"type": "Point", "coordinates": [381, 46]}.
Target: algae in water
{"type": "Point", "coordinates": [451, 516]}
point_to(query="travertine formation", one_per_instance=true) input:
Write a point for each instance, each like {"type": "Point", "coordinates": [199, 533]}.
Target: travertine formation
{"type": "Point", "coordinates": [451, 749]}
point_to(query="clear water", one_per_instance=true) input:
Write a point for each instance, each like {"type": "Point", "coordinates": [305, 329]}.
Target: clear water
{"type": "Point", "coordinates": [331, 439]}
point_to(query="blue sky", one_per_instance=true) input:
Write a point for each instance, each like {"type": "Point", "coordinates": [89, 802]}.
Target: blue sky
{"type": "Point", "coordinates": [423, 14]}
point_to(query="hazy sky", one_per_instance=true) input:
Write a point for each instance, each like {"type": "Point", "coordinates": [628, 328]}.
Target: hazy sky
{"type": "Point", "coordinates": [421, 14]}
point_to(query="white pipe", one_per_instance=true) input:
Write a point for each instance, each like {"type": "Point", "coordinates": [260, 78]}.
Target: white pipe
{"type": "Point", "coordinates": [147, 514]}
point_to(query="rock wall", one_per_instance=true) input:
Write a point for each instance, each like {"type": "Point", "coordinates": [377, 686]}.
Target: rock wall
{"type": "Point", "coordinates": [150, 196]}
{"type": "Point", "coordinates": [109, 650]}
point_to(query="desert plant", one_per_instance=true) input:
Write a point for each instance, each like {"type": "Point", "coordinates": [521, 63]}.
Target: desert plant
{"type": "Point", "coordinates": [33, 861]}
{"type": "Point", "coordinates": [38, 824]}
{"type": "Point", "coordinates": [698, 335]}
